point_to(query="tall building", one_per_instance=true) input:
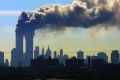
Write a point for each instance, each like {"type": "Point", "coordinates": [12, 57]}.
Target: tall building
{"type": "Point", "coordinates": [44, 63]}
{"type": "Point", "coordinates": [58, 56]}
{"type": "Point", "coordinates": [55, 55]}
{"type": "Point", "coordinates": [66, 57]}
{"type": "Point", "coordinates": [2, 64]}
{"type": "Point", "coordinates": [73, 62]}
{"type": "Point", "coordinates": [61, 57]}
{"type": "Point", "coordinates": [102, 56]}
{"type": "Point", "coordinates": [29, 48]}
{"type": "Point", "coordinates": [15, 59]}
{"type": "Point", "coordinates": [90, 59]}
{"type": "Point", "coordinates": [43, 52]}
{"type": "Point", "coordinates": [80, 55]}
{"type": "Point", "coordinates": [18, 51]}
{"type": "Point", "coordinates": [1, 57]}
{"type": "Point", "coordinates": [28, 34]}
{"type": "Point", "coordinates": [36, 52]}
{"type": "Point", "coordinates": [48, 53]}
{"type": "Point", "coordinates": [6, 62]}
{"type": "Point", "coordinates": [115, 57]}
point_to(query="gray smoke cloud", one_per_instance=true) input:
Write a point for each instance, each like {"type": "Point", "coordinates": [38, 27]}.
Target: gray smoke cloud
{"type": "Point", "coordinates": [80, 13]}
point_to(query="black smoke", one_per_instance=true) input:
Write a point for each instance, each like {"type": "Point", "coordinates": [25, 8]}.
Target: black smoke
{"type": "Point", "coordinates": [80, 13]}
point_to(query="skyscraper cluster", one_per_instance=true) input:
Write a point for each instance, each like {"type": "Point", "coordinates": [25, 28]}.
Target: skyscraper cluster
{"type": "Point", "coordinates": [2, 62]}
{"type": "Point", "coordinates": [62, 57]}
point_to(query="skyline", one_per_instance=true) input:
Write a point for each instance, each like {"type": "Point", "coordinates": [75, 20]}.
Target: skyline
{"type": "Point", "coordinates": [61, 56]}
{"type": "Point", "coordinates": [70, 40]}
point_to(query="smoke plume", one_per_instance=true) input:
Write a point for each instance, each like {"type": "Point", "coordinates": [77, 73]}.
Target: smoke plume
{"type": "Point", "coordinates": [80, 13]}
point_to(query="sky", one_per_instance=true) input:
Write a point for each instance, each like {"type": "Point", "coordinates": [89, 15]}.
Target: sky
{"type": "Point", "coordinates": [71, 40]}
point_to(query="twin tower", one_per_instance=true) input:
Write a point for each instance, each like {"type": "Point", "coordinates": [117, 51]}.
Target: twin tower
{"type": "Point", "coordinates": [18, 58]}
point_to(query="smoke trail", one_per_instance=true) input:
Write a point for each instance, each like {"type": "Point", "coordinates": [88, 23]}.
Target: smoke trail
{"type": "Point", "coordinates": [81, 13]}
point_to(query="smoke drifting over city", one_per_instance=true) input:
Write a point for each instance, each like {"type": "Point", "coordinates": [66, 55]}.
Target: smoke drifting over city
{"type": "Point", "coordinates": [80, 13]}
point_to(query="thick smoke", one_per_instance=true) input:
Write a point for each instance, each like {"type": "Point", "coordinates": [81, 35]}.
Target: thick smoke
{"type": "Point", "coordinates": [81, 13]}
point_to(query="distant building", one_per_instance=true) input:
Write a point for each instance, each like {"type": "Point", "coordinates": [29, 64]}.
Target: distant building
{"type": "Point", "coordinates": [103, 56]}
{"type": "Point", "coordinates": [66, 57]}
{"type": "Point", "coordinates": [1, 57]}
{"type": "Point", "coordinates": [115, 57]}
{"type": "Point", "coordinates": [48, 53]}
{"type": "Point", "coordinates": [98, 62]}
{"type": "Point", "coordinates": [6, 62]}
{"type": "Point", "coordinates": [58, 56]}
{"type": "Point", "coordinates": [87, 60]}
{"type": "Point", "coordinates": [40, 62]}
{"type": "Point", "coordinates": [15, 58]}
{"type": "Point", "coordinates": [55, 55]}
{"type": "Point", "coordinates": [18, 57]}
{"type": "Point", "coordinates": [43, 51]}
{"type": "Point", "coordinates": [74, 62]}
{"type": "Point", "coordinates": [36, 52]}
{"type": "Point", "coordinates": [80, 55]}
{"type": "Point", "coordinates": [61, 57]}
{"type": "Point", "coordinates": [91, 59]}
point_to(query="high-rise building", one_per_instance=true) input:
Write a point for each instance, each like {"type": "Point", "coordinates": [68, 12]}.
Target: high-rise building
{"type": "Point", "coordinates": [90, 59]}
{"type": "Point", "coordinates": [48, 53]}
{"type": "Point", "coordinates": [115, 57]}
{"type": "Point", "coordinates": [66, 57]}
{"type": "Point", "coordinates": [102, 56]}
{"type": "Point", "coordinates": [80, 55]}
{"type": "Point", "coordinates": [43, 52]}
{"type": "Point", "coordinates": [29, 48]}
{"type": "Point", "coordinates": [1, 58]}
{"type": "Point", "coordinates": [58, 56]}
{"type": "Point", "coordinates": [18, 51]}
{"type": "Point", "coordinates": [15, 59]}
{"type": "Point", "coordinates": [20, 33]}
{"type": "Point", "coordinates": [6, 62]}
{"type": "Point", "coordinates": [61, 57]}
{"type": "Point", "coordinates": [55, 55]}
{"type": "Point", "coordinates": [36, 52]}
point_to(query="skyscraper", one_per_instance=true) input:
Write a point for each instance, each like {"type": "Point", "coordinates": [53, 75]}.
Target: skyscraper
{"type": "Point", "coordinates": [115, 57]}
{"type": "Point", "coordinates": [55, 55]}
{"type": "Point", "coordinates": [80, 55]}
{"type": "Point", "coordinates": [6, 62]}
{"type": "Point", "coordinates": [43, 52]}
{"type": "Point", "coordinates": [103, 56]}
{"type": "Point", "coordinates": [29, 48]}
{"type": "Point", "coordinates": [15, 59]}
{"type": "Point", "coordinates": [61, 57]}
{"type": "Point", "coordinates": [1, 57]}
{"type": "Point", "coordinates": [66, 57]}
{"type": "Point", "coordinates": [36, 52]}
{"type": "Point", "coordinates": [90, 59]}
{"type": "Point", "coordinates": [48, 53]}
{"type": "Point", "coordinates": [18, 51]}
{"type": "Point", "coordinates": [20, 33]}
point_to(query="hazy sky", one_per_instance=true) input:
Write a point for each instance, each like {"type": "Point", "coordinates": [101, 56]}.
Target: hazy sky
{"type": "Point", "coordinates": [71, 40]}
